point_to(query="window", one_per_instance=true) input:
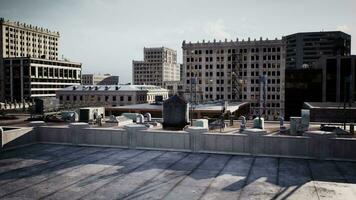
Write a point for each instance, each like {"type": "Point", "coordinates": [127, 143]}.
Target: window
{"type": "Point", "coordinates": [129, 98]}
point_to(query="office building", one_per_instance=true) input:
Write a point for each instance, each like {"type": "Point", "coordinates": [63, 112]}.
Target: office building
{"type": "Point", "coordinates": [111, 95]}
{"type": "Point", "coordinates": [24, 40]}
{"type": "Point", "coordinates": [99, 79]}
{"type": "Point", "coordinates": [159, 65]}
{"type": "Point", "coordinates": [27, 78]}
{"type": "Point", "coordinates": [331, 80]}
{"type": "Point", "coordinates": [231, 71]}
{"type": "Point", "coordinates": [305, 49]}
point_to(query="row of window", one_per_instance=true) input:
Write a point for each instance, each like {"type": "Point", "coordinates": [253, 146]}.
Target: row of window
{"type": "Point", "coordinates": [233, 66]}
{"type": "Point", "coordinates": [100, 98]}
{"type": "Point", "coordinates": [28, 48]}
{"type": "Point", "coordinates": [30, 33]}
{"type": "Point", "coordinates": [229, 58]}
{"type": "Point", "coordinates": [221, 51]}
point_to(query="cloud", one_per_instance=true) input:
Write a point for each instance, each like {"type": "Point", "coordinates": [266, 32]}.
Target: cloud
{"type": "Point", "coordinates": [217, 30]}
{"type": "Point", "coordinates": [343, 28]}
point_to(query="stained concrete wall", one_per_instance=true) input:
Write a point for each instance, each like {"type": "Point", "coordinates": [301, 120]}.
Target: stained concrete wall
{"type": "Point", "coordinates": [194, 139]}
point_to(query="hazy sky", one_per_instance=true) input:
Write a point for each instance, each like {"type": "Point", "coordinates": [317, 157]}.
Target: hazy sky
{"type": "Point", "coordinates": [107, 35]}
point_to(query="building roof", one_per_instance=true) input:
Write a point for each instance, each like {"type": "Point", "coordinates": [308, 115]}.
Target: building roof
{"type": "Point", "coordinates": [43, 59]}
{"type": "Point", "coordinates": [73, 172]}
{"type": "Point", "coordinates": [319, 32]}
{"type": "Point", "coordinates": [114, 88]}
{"type": "Point", "coordinates": [329, 105]}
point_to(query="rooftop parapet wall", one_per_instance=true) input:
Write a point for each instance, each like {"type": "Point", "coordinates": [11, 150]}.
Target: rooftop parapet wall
{"type": "Point", "coordinates": [197, 140]}
{"type": "Point", "coordinates": [234, 43]}
{"type": "Point", "coordinates": [29, 27]}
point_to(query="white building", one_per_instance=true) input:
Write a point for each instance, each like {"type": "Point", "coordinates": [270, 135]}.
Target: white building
{"type": "Point", "coordinates": [110, 95]}
{"type": "Point", "coordinates": [159, 65]}
{"type": "Point", "coordinates": [231, 70]}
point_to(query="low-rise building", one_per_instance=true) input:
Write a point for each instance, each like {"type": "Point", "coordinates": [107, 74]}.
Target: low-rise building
{"type": "Point", "coordinates": [99, 79]}
{"type": "Point", "coordinates": [27, 78]}
{"type": "Point", "coordinates": [111, 95]}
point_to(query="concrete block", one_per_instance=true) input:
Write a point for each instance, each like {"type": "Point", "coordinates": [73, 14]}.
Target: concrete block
{"type": "Point", "coordinates": [295, 125]}
{"type": "Point", "coordinates": [132, 130]}
{"type": "Point", "coordinates": [196, 137]}
{"type": "Point", "coordinates": [320, 145]}
{"type": "Point", "coordinates": [305, 114]}
{"type": "Point", "coordinates": [259, 123]}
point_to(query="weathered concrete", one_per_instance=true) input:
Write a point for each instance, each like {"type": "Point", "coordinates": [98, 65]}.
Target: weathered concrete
{"type": "Point", "coordinates": [72, 172]}
{"type": "Point", "coordinates": [194, 139]}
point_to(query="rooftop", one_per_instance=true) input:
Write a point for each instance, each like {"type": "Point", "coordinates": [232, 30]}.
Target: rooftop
{"type": "Point", "coordinates": [72, 172]}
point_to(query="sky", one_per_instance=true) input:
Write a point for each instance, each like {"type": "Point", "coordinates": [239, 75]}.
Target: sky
{"type": "Point", "coordinates": [106, 35]}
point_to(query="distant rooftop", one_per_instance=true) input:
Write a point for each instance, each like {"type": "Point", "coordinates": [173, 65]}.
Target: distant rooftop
{"type": "Point", "coordinates": [114, 88]}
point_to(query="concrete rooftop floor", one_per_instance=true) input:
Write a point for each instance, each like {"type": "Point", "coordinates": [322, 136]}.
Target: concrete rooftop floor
{"type": "Point", "coordinates": [69, 172]}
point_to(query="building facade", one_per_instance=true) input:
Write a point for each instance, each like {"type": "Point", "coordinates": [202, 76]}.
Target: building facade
{"type": "Point", "coordinates": [27, 78]}
{"type": "Point", "coordinates": [98, 79]}
{"type": "Point", "coordinates": [333, 79]}
{"type": "Point", "coordinates": [339, 74]}
{"type": "Point", "coordinates": [159, 65]}
{"type": "Point", "coordinates": [231, 71]}
{"type": "Point", "coordinates": [305, 49]}
{"type": "Point", "coordinates": [110, 95]}
{"type": "Point", "coordinates": [24, 40]}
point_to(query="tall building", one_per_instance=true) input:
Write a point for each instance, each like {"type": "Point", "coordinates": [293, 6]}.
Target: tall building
{"type": "Point", "coordinates": [304, 49]}
{"type": "Point", "coordinates": [29, 65]}
{"type": "Point", "coordinates": [24, 40]}
{"type": "Point", "coordinates": [111, 95]}
{"type": "Point", "coordinates": [99, 79]}
{"type": "Point", "coordinates": [27, 78]}
{"type": "Point", "coordinates": [231, 70]}
{"type": "Point", "coordinates": [159, 65]}
{"type": "Point", "coordinates": [333, 79]}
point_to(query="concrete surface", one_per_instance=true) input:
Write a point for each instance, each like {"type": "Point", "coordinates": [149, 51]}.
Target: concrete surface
{"type": "Point", "coordinates": [72, 172]}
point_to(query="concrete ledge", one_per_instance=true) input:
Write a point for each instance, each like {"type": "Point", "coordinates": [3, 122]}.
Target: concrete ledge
{"type": "Point", "coordinates": [254, 131]}
{"type": "Point", "coordinates": [319, 145]}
